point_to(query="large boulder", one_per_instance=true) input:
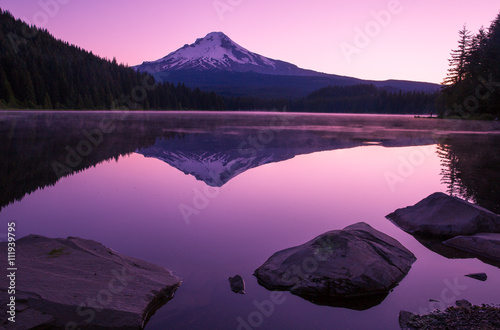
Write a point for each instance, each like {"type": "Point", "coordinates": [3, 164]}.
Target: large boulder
{"type": "Point", "coordinates": [480, 245]}
{"type": "Point", "coordinates": [76, 283]}
{"type": "Point", "coordinates": [440, 215]}
{"type": "Point", "coordinates": [354, 262]}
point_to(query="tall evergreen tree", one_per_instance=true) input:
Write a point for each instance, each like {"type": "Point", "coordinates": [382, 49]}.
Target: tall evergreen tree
{"type": "Point", "coordinates": [472, 88]}
{"type": "Point", "coordinates": [459, 57]}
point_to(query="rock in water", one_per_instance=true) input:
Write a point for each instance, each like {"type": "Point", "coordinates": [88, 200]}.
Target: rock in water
{"type": "Point", "coordinates": [354, 262]}
{"type": "Point", "coordinates": [237, 284]}
{"type": "Point", "coordinates": [478, 276]}
{"type": "Point", "coordinates": [463, 303]}
{"type": "Point", "coordinates": [77, 283]}
{"type": "Point", "coordinates": [445, 216]}
{"type": "Point", "coordinates": [405, 319]}
{"type": "Point", "coordinates": [480, 245]}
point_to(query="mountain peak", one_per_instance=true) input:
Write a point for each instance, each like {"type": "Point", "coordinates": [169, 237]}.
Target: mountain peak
{"type": "Point", "coordinates": [216, 34]}
{"type": "Point", "coordinates": [216, 51]}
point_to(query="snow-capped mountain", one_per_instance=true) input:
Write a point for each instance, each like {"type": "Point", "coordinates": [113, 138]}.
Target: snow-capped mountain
{"type": "Point", "coordinates": [213, 168]}
{"type": "Point", "coordinates": [217, 157]}
{"type": "Point", "coordinates": [216, 63]}
{"type": "Point", "coordinates": [216, 51]}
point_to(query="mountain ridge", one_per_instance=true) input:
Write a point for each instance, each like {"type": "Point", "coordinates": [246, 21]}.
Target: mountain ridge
{"type": "Point", "coordinates": [216, 51]}
{"type": "Point", "coordinates": [217, 63]}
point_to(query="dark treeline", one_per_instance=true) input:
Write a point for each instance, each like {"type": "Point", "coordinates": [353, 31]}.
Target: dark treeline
{"type": "Point", "coordinates": [366, 98]}
{"type": "Point", "coordinates": [39, 72]}
{"type": "Point", "coordinates": [362, 98]}
{"type": "Point", "coordinates": [472, 87]}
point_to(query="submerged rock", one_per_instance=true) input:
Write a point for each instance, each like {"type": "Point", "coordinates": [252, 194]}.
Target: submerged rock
{"type": "Point", "coordinates": [357, 261]}
{"type": "Point", "coordinates": [76, 283]}
{"type": "Point", "coordinates": [481, 245]}
{"type": "Point", "coordinates": [237, 284]}
{"type": "Point", "coordinates": [445, 216]}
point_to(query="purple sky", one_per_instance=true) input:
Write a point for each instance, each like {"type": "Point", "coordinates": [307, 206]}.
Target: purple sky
{"type": "Point", "coordinates": [413, 42]}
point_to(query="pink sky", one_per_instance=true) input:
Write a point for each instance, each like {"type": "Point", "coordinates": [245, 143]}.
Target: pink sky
{"type": "Point", "coordinates": [413, 43]}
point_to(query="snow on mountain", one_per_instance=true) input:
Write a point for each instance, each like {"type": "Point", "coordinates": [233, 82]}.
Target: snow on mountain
{"type": "Point", "coordinates": [215, 157]}
{"type": "Point", "coordinates": [216, 51]}
{"type": "Point", "coordinates": [215, 169]}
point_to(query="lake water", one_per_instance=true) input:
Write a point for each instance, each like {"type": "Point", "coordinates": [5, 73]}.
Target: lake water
{"type": "Point", "coordinates": [210, 196]}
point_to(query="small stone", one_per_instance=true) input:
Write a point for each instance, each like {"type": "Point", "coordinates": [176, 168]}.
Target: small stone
{"type": "Point", "coordinates": [463, 303]}
{"type": "Point", "coordinates": [478, 276]}
{"type": "Point", "coordinates": [237, 284]}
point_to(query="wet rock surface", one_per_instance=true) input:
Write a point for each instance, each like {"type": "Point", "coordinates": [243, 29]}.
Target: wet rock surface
{"type": "Point", "coordinates": [357, 261]}
{"type": "Point", "coordinates": [481, 245]}
{"type": "Point", "coordinates": [441, 215]}
{"type": "Point", "coordinates": [77, 283]}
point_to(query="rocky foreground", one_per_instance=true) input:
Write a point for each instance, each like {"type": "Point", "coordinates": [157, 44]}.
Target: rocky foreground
{"type": "Point", "coordinates": [462, 317]}
{"type": "Point", "coordinates": [76, 283]}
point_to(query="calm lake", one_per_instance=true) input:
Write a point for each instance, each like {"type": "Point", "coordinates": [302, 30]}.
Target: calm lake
{"type": "Point", "coordinates": [212, 195]}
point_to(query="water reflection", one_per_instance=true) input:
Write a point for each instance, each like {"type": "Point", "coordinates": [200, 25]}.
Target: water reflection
{"type": "Point", "coordinates": [359, 303]}
{"type": "Point", "coordinates": [132, 205]}
{"type": "Point", "coordinates": [437, 246]}
{"type": "Point", "coordinates": [37, 149]}
{"type": "Point", "coordinates": [470, 169]}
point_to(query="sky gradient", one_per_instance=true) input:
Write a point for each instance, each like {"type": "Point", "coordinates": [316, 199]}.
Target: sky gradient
{"type": "Point", "coordinates": [409, 40]}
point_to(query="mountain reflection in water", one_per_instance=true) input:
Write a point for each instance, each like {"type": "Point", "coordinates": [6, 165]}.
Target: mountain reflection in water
{"type": "Point", "coordinates": [37, 149]}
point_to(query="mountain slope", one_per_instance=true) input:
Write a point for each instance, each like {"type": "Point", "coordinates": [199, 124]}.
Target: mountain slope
{"type": "Point", "coordinates": [217, 63]}
{"type": "Point", "coordinates": [216, 51]}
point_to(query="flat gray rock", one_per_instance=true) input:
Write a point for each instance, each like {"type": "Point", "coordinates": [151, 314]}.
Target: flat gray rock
{"type": "Point", "coordinates": [445, 216]}
{"type": "Point", "coordinates": [481, 245]}
{"type": "Point", "coordinates": [76, 283]}
{"type": "Point", "coordinates": [354, 262]}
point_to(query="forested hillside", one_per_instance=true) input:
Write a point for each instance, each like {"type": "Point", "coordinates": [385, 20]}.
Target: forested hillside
{"type": "Point", "coordinates": [39, 72]}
